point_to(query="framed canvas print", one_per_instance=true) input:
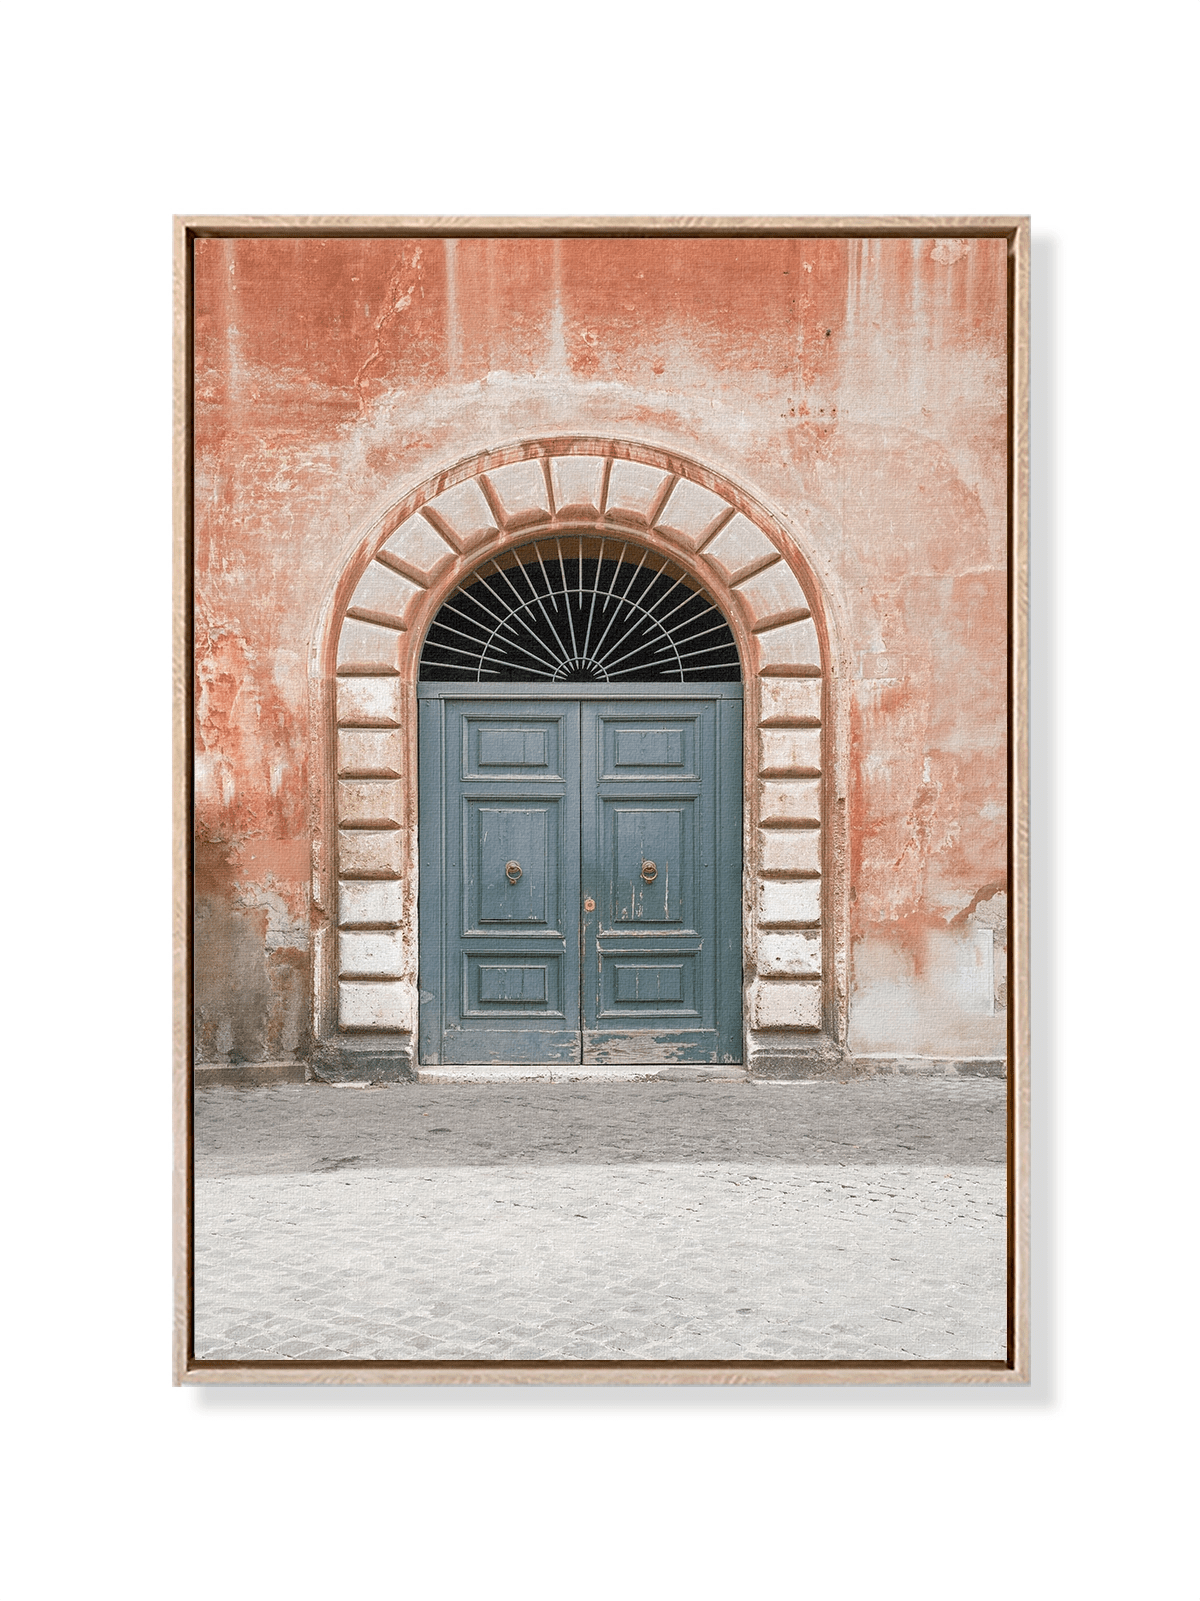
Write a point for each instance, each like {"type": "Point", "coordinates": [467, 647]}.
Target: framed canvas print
{"type": "Point", "coordinates": [602, 890]}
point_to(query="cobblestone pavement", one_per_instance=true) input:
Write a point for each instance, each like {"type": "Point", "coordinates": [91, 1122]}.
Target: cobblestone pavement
{"type": "Point", "coordinates": [595, 1221]}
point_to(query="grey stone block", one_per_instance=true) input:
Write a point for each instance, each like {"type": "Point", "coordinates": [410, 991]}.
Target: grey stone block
{"type": "Point", "coordinates": [379, 1060]}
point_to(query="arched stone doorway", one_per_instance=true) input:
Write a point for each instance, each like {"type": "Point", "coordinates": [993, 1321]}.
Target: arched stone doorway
{"type": "Point", "coordinates": [417, 555]}
{"type": "Point", "coordinates": [580, 814]}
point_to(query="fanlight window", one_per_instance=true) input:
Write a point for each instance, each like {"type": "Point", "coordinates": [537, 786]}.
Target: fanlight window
{"type": "Point", "coordinates": [573, 610]}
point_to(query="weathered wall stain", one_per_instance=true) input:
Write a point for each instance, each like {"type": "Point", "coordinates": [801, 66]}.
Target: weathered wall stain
{"type": "Point", "coordinates": [252, 964]}
{"type": "Point", "coordinates": [858, 385]}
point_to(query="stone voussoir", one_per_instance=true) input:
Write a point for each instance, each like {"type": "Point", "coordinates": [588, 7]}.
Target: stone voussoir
{"type": "Point", "coordinates": [368, 649]}
{"type": "Point", "coordinates": [578, 484]}
{"type": "Point", "coordinates": [417, 549]}
{"type": "Point", "coordinates": [463, 515]}
{"type": "Point", "coordinates": [692, 513]}
{"type": "Point", "coordinates": [633, 491]}
{"type": "Point", "coordinates": [384, 595]}
{"type": "Point", "coordinates": [790, 649]}
{"type": "Point", "coordinates": [739, 549]}
{"type": "Point", "coordinates": [519, 490]}
{"type": "Point", "coordinates": [772, 596]}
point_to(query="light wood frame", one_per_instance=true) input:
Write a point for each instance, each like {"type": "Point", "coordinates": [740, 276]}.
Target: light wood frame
{"type": "Point", "coordinates": [1015, 1369]}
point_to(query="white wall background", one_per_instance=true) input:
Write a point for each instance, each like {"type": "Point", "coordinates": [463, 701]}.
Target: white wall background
{"type": "Point", "coordinates": [119, 115]}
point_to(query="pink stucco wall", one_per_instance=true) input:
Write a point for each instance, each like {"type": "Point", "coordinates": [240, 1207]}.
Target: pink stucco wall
{"type": "Point", "coordinates": [856, 387]}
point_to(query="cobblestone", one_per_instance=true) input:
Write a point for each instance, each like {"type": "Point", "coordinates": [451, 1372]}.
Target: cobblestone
{"type": "Point", "coordinates": [646, 1221]}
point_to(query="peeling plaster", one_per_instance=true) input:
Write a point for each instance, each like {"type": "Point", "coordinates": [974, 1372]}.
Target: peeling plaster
{"type": "Point", "coordinates": [857, 387]}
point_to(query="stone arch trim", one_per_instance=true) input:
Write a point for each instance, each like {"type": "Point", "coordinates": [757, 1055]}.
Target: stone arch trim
{"type": "Point", "coordinates": [414, 556]}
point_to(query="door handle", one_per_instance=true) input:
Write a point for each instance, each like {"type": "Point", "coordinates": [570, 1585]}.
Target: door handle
{"type": "Point", "coordinates": [649, 872]}
{"type": "Point", "coordinates": [512, 871]}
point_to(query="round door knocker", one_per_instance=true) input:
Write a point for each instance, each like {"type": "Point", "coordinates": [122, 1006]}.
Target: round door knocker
{"type": "Point", "coordinates": [649, 872]}
{"type": "Point", "coordinates": [512, 871]}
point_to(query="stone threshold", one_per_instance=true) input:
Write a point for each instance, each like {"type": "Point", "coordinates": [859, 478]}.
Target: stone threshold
{"type": "Point", "coordinates": [668, 1072]}
{"type": "Point", "coordinates": [258, 1075]}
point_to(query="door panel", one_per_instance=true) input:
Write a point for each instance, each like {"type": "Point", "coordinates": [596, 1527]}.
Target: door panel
{"type": "Point", "coordinates": [511, 840]}
{"type": "Point", "coordinates": [511, 984]}
{"type": "Point", "coordinates": [652, 862]}
{"type": "Point", "coordinates": [638, 746]}
{"type": "Point", "coordinates": [497, 986]}
{"type": "Point", "coordinates": [512, 747]}
{"type": "Point", "coordinates": [647, 747]}
{"type": "Point", "coordinates": [639, 981]}
{"type": "Point", "coordinates": [636, 985]}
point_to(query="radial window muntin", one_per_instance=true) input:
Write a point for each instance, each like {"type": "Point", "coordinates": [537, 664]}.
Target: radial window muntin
{"type": "Point", "coordinates": [580, 609]}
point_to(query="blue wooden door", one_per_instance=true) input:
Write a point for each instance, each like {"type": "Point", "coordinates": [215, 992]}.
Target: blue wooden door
{"type": "Point", "coordinates": [499, 912]}
{"type": "Point", "coordinates": [661, 860]}
{"type": "Point", "coordinates": [580, 896]}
